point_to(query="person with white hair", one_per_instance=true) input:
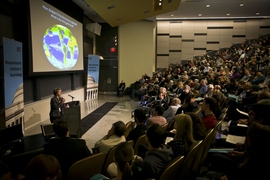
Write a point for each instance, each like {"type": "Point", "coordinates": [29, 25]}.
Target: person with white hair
{"type": "Point", "coordinates": [169, 114]}
{"type": "Point", "coordinates": [210, 91]}
{"type": "Point", "coordinates": [207, 68]}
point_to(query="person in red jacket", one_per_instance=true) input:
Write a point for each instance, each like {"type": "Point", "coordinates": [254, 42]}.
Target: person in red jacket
{"type": "Point", "coordinates": [209, 118]}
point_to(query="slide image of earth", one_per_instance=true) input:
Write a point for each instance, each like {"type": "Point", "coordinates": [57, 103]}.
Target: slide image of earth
{"type": "Point", "coordinates": [60, 47]}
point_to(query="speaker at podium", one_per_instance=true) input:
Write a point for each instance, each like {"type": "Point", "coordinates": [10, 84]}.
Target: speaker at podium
{"type": "Point", "coordinates": [72, 114]}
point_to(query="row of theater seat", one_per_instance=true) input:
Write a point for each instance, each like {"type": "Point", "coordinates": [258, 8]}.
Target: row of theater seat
{"type": "Point", "coordinates": [183, 167]}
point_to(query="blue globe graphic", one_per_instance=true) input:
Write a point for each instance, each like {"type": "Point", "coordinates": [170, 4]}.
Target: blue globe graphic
{"type": "Point", "coordinates": [60, 47]}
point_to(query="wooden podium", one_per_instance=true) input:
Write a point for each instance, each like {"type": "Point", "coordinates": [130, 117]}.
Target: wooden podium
{"type": "Point", "coordinates": [72, 114]}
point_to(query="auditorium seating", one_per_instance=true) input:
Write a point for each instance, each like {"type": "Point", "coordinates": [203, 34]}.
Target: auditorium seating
{"type": "Point", "coordinates": [129, 127]}
{"type": "Point", "coordinates": [140, 141]}
{"type": "Point", "coordinates": [109, 159]}
{"type": "Point", "coordinates": [87, 167]}
{"type": "Point", "coordinates": [172, 168]}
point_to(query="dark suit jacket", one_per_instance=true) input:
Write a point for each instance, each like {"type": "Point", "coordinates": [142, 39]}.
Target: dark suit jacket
{"type": "Point", "coordinates": [56, 104]}
{"type": "Point", "coordinates": [67, 150]}
{"type": "Point", "coordinates": [136, 133]}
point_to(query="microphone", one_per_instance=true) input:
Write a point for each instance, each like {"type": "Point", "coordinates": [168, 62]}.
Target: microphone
{"type": "Point", "coordinates": [70, 96]}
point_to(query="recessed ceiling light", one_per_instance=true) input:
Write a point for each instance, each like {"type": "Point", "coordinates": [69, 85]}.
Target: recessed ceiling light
{"type": "Point", "coordinates": [228, 14]}
{"type": "Point", "coordinates": [241, 5]}
{"type": "Point", "coordinates": [208, 5]}
{"type": "Point", "coordinates": [257, 13]}
{"type": "Point", "coordinates": [199, 14]}
{"type": "Point", "coordinates": [159, 4]}
{"type": "Point", "coordinates": [172, 15]}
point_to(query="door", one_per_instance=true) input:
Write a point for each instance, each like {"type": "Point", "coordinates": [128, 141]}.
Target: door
{"type": "Point", "coordinates": [108, 77]}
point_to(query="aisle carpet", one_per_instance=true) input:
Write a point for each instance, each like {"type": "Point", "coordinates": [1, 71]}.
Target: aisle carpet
{"type": "Point", "coordinates": [92, 118]}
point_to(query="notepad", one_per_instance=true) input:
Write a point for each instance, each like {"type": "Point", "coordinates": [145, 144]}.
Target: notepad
{"type": "Point", "coordinates": [168, 139]}
{"type": "Point", "coordinates": [242, 125]}
{"type": "Point", "coordinates": [235, 139]}
{"type": "Point", "coordinates": [242, 112]}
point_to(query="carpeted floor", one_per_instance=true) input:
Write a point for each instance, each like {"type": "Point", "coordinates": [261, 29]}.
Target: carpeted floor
{"type": "Point", "coordinates": [92, 118]}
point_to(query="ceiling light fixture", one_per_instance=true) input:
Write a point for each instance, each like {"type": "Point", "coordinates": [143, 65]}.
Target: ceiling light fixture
{"type": "Point", "coordinates": [199, 14]}
{"type": "Point", "coordinates": [208, 5]}
{"type": "Point", "coordinates": [257, 14]}
{"type": "Point", "coordinates": [228, 14]}
{"type": "Point", "coordinates": [159, 4]}
{"type": "Point", "coordinates": [241, 5]}
{"type": "Point", "coordinates": [172, 15]}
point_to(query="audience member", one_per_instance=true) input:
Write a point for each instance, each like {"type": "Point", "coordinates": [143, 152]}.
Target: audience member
{"type": "Point", "coordinates": [157, 117]}
{"type": "Point", "coordinates": [204, 88]}
{"type": "Point", "coordinates": [199, 129]}
{"type": "Point", "coordinates": [208, 106]}
{"type": "Point", "coordinates": [123, 158]}
{"type": "Point", "coordinates": [121, 88]}
{"type": "Point", "coordinates": [169, 114]}
{"type": "Point", "coordinates": [141, 91]}
{"type": "Point", "coordinates": [184, 135]}
{"type": "Point", "coordinates": [67, 150]}
{"type": "Point", "coordinates": [210, 91]}
{"type": "Point", "coordinates": [158, 155]}
{"type": "Point", "coordinates": [42, 167]}
{"type": "Point", "coordinates": [266, 81]}
{"type": "Point", "coordinates": [258, 79]}
{"type": "Point", "coordinates": [186, 92]}
{"type": "Point", "coordinates": [115, 136]}
{"type": "Point", "coordinates": [140, 129]}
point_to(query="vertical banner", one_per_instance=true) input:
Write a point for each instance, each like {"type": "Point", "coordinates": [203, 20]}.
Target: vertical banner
{"type": "Point", "coordinates": [92, 77]}
{"type": "Point", "coordinates": [13, 82]}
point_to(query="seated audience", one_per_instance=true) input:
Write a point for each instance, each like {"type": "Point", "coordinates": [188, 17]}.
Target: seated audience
{"type": "Point", "coordinates": [140, 129]}
{"type": "Point", "coordinates": [210, 91]}
{"type": "Point", "coordinates": [186, 92]}
{"type": "Point", "coordinates": [140, 92]}
{"type": "Point", "coordinates": [157, 117]}
{"type": "Point", "coordinates": [199, 129]}
{"type": "Point", "coordinates": [123, 158]}
{"type": "Point", "coordinates": [196, 84]}
{"type": "Point", "coordinates": [157, 157]}
{"type": "Point", "coordinates": [209, 118]}
{"type": "Point", "coordinates": [252, 164]}
{"type": "Point", "coordinates": [204, 88]}
{"type": "Point", "coordinates": [115, 136]}
{"type": "Point", "coordinates": [42, 167]}
{"type": "Point", "coordinates": [183, 138]}
{"type": "Point", "coordinates": [257, 155]}
{"type": "Point", "coordinates": [179, 89]}
{"type": "Point", "coordinates": [247, 77]}
{"type": "Point", "coordinates": [169, 114]}
{"type": "Point", "coordinates": [189, 105]}
{"type": "Point", "coordinates": [67, 150]}
{"type": "Point", "coordinates": [234, 74]}
{"type": "Point", "coordinates": [121, 88]}
{"type": "Point", "coordinates": [258, 79]}
{"type": "Point", "coordinates": [266, 82]}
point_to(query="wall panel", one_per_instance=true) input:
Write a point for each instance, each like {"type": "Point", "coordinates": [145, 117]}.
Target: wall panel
{"type": "Point", "coordinates": [193, 37]}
